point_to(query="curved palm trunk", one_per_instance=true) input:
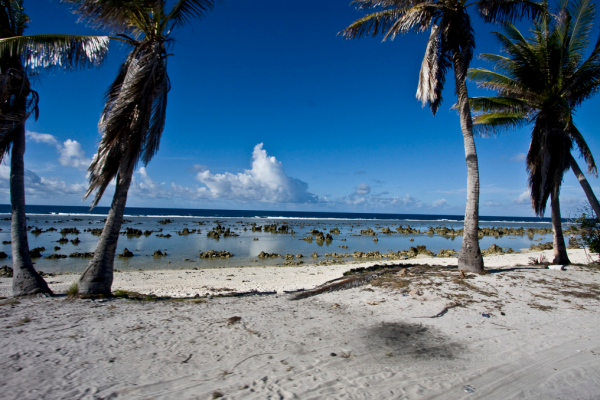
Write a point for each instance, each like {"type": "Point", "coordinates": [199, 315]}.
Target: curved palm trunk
{"type": "Point", "coordinates": [585, 185]}
{"type": "Point", "coordinates": [98, 276]}
{"type": "Point", "coordinates": [560, 250]}
{"type": "Point", "coordinates": [469, 258]}
{"type": "Point", "coordinates": [26, 280]}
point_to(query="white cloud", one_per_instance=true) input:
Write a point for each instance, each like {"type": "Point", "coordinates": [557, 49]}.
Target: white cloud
{"type": "Point", "coordinates": [42, 138]}
{"type": "Point", "coordinates": [147, 187]}
{"type": "Point", "coordinates": [71, 153]}
{"type": "Point", "coordinates": [519, 157]}
{"type": "Point", "coordinates": [362, 189]}
{"type": "Point", "coordinates": [40, 187]}
{"type": "Point", "coordinates": [266, 182]}
{"type": "Point", "coordinates": [524, 198]}
{"type": "Point", "coordinates": [441, 203]}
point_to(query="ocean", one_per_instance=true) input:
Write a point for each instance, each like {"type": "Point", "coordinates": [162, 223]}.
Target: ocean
{"type": "Point", "coordinates": [183, 250]}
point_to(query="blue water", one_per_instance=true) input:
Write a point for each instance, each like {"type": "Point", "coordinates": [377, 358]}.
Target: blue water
{"type": "Point", "coordinates": [202, 213]}
{"type": "Point", "coordinates": [248, 244]}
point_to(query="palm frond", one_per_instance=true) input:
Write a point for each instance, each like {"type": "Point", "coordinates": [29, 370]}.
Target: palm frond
{"type": "Point", "coordinates": [114, 15]}
{"type": "Point", "coordinates": [464, 36]}
{"type": "Point", "coordinates": [584, 150]}
{"type": "Point", "coordinates": [487, 79]}
{"type": "Point", "coordinates": [367, 4]}
{"type": "Point", "coordinates": [185, 10]}
{"type": "Point", "coordinates": [13, 19]}
{"type": "Point", "coordinates": [497, 104]}
{"type": "Point", "coordinates": [43, 51]}
{"type": "Point", "coordinates": [547, 161]}
{"type": "Point", "coordinates": [582, 14]}
{"type": "Point", "coordinates": [432, 75]}
{"type": "Point", "coordinates": [372, 24]}
{"type": "Point", "coordinates": [494, 123]}
{"type": "Point", "coordinates": [133, 118]}
{"type": "Point", "coordinates": [500, 11]}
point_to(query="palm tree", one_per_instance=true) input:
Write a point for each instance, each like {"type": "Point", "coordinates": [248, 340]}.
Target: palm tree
{"type": "Point", "coordinates": [18, 101]}
{"type": "Point", "coordinates": [134, 112]}
{"type": "Point", "coordinates": [542, 81]}
{"type": "Point", "coordinates": [451, 44]}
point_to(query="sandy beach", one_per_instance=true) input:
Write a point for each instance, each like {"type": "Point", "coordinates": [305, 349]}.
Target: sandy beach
{"type": "Point", "coordinates": [427, 332]}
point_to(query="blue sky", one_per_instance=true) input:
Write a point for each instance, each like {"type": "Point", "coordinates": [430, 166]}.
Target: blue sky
{"type": "Point", "coordinates": [269, 109]}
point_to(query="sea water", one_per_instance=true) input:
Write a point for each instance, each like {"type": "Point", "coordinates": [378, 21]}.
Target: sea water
{"type": "Point", "coordinates": [183, 250]}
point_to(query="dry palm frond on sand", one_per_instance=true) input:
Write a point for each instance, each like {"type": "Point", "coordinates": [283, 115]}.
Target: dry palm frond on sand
{"type": "Point", "coordinates": [351, 282]}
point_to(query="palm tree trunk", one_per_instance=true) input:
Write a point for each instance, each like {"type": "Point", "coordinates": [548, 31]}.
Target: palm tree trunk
{"type": "Point", "coordinates": [26, 280]}
{"type": "Point", "coordinates": [560, 250]}
{"type": "Point", "coordinates": [98, 277]}
{"type": "Point", "coordinates": [469, 258]}
{"type": "Point", "coordinates": [585, 185]}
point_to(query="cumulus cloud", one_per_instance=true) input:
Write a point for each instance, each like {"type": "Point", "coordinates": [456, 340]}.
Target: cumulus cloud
{"type": "Point", "coordinates": [519, 157]}
{"type": "Point", "coordinates": [362, 189]}
{"type": "Point", "coordinates": [441, 203]}
{"type": "Point", "coordinates": [524, 198]}
{"type": "Point", "coordinates": [146, 187]}
{"type": "Point", "coordinates": [71, 153]}
{"type": "Point", "coordinates": [42, 138]}
{"type": "Point", "coordinates": [266, 181]}
{"type": "Point", "coordinates": [41, 187]}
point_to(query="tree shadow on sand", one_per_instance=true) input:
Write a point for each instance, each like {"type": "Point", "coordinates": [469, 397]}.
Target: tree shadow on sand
{"type": "Point", "coordinates": [417, 341]}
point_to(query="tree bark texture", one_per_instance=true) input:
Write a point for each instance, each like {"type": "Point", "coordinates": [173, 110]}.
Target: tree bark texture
{"type": "Point", "coordinates": [560, 250]}
{"type": "Point", "coordinates": [98, 276]}
{"type": "Point", "coordinates": [26, 281]}
{"type": "Point", "coordinates": [585, 185]}
{"type": "Point", "coordinates": [469, 258]}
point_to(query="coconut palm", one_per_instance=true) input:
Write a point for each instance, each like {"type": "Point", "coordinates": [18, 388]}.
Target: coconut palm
{"type": "Point", "coordinates": [134, 112]}
{"type": "Point", "coordinates": [451, 44]}
{"type": "Point", "coordinates": [18, 55]}
{"type": "Point", "coordinates": [541, 81]}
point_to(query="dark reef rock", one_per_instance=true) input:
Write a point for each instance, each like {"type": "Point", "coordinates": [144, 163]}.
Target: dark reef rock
{"type": "Point", "coordinates": [36, 252]}
{"type": "Point", "coordinates": [6, 272]}
{"type": "Point", "coordinates": [268, 255]}
{"type": "Point", "coordinates": [67, 231]}
{"type": "Point", "coordinates": [215, 254]}
{"type": "Point", "coordinates": [132, 232]}
{"type": "Point", "coordinates": [55, 256]}
{"type": "Point", "coordinates": [542, 246]}
{"type": "Point", "coordinates": [125, 254]}
{"type": "Point", "coordinates": [82, 255]}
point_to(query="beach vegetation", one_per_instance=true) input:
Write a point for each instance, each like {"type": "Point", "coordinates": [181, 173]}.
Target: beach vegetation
{"type": "Point", "coordinates": [134, 114]}
{"type": "Point", "coordinates": [73, 290]}
{"type": "Point", "coordinates": [20, 55]}
{"type": "Point", "coordinates": [450, 46]}
{"type": "Point", "coordinates": [541, 81]}
{"type": "Point", "coordinates": [586, 228]}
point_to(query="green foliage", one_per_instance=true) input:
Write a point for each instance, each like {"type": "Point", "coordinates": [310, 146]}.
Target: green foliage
{"type": "Point", "coordinates": [73, 290]}
{"type": "Point", "coordinates": [588, 229]}
{"type": "Point", "coordinates": [541, 81]}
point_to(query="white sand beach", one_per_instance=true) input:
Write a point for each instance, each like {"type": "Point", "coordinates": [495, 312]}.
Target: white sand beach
{"type": "Point", "coordinates": [518, 332]}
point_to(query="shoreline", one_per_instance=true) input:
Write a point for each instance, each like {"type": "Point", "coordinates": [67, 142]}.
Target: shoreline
{"type": "Point", "coordinates": [210, 281]}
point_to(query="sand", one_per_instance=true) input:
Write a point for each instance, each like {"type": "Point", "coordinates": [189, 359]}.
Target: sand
{"type": "Point", "coordinates": [517, 332]}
